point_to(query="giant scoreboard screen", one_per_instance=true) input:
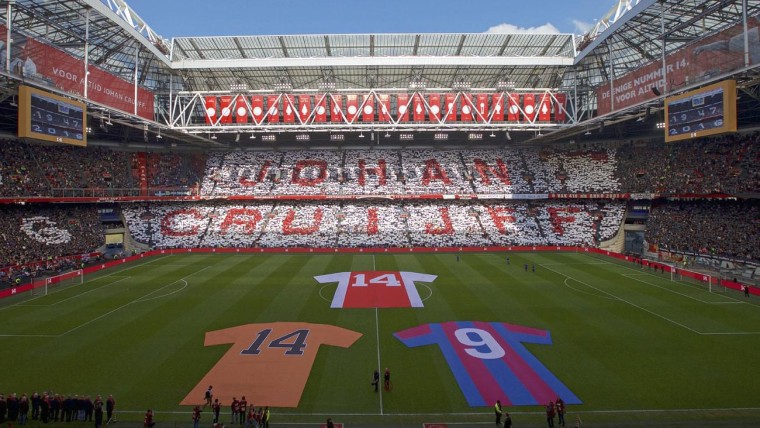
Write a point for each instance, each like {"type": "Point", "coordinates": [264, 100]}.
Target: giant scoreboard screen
{"type": "Point", "coordinates": [706, 111]}
{"type": "Point", "coordinates": [50, 117]}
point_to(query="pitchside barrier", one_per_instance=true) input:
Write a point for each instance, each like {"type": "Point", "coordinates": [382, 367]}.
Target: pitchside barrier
{"type": "Point", "coordinates": [706, 279]}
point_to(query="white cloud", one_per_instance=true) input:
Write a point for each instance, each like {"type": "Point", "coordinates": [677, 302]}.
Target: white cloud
{"type": "Point", "coordinates": [513, 29]}
{"type": "Point", "coordinates": [582, 27]}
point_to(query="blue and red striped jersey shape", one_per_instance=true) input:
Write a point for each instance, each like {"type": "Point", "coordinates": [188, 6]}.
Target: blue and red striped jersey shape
{"type": "Point", "coordinates": [490, 363]}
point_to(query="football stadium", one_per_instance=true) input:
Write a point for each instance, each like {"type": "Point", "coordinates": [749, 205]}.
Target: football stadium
{"type": "Point", "coordinates": [364, 230]}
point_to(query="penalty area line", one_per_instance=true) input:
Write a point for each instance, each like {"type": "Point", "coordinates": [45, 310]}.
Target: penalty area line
{"type": "Point", "coordinates": [139, 299]}
{"type": "Point", "coordinates": [626, 301]}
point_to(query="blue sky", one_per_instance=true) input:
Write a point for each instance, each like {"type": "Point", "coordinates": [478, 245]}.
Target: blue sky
{"type": "Point", "coordinates": [175, 18]}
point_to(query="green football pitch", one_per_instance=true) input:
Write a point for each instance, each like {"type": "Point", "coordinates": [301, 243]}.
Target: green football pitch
{"type": "Point", "coordinates": [634, 346]}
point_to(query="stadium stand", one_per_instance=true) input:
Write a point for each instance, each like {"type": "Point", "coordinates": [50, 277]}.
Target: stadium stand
{"type": "Point", "coordinates": [726, 229]}
{"type": "Point", "coordinates": [681, 168]}
{"type": "Point", "coordinates": [725, 164]}
{"type": "Point", "coordinates": [41, 233]}
{"type": "Point", "coordinates": [420, 224]}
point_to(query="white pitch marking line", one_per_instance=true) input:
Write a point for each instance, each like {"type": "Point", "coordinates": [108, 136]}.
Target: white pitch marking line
{"type": "Point", "coordinates": [625, 301]}
{"type": "Point", "coordinates": [379, 370]}
{"type": "Point", "coordinates": [667, 289]}
{"type": "Point", "coordinates": [128, 303]}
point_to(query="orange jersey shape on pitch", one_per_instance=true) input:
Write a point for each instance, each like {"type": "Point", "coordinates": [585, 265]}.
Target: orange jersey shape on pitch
{"type": "Point", "coordinates": [268, 363]}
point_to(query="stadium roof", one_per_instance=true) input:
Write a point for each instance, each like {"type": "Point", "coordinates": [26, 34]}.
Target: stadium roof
{"type": "Point", "coordinates": [636, 32]}
{"type": "Point", "coordinates": [631, 34]}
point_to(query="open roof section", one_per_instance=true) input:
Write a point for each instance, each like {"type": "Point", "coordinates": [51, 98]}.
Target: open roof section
{"type": "Point", "coordinates": [374, 60]}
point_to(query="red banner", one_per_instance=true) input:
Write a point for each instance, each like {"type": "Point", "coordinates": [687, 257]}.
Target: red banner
{"type": "Point", "coordinates": [451, 108]}
{"type": "Point", "coordinates": [529, 107]}
{"type": "Point", "coordinates": [304, 107]}
{"type": "Point", "coordinates": [211, 110]}
{"type": "Point", "coordinates": [559, 108]}
{"type": "Point", "coordinates": [288, 108]}
{"type": "Point", "coordinates": [497, 107]}
{"type": "Point", "coordinates": [467, 112]}
{"type": "Point", "coordinates": [403, 108]}
{"type": "Point", "coordinates": [336, 114]}
{"type": "Point", "coordinates": [544, 107]}
{"type": "Point", "coordinates": [241, 110]}
{"type": "Point", "coordinates": [715, 55]}
{"type": "Point", "coordinates": [320, 108]}
{"type": "Point", "coordinates": [142, 171]}
{"type": "Point", "coordinates": [434, 113]}
{"type": "Point", "coordinates": [368, 108]}
{"type": "Point", "coordinates": [352, 107]}
{"type": "Point", "coordinates": [226, 108]}
{"type": "Point", "coordinates": [43, 64]}
{"type": "Point", "coordinates": [513, 112]}
{"type": "Point", "coordinates": [481, 107]}
{"type": "Point", "coordinates": [257, 108]}
{"type": "Point", "coordinates": [418, 108]}
{"type": "Point", "coordinates": [273, 114]}
{"type": "Point", "coordinates": [384, 109]}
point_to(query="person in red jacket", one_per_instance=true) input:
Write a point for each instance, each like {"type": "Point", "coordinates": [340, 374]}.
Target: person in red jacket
{"type": "Point", "coordinates": [216, 407]}
{"type": "Point", "coordinates": [550, 413]}
{"type": "Point", "coordinates": [148, 422]}
{"type": "Point", "coordinates": [234, 407]}
{"type": "Point", "coordinates": [242, 407]}
{"type": "Point", "coordinates": [560, 405]}
{"type": "Point", "coordinates": [196, 416]}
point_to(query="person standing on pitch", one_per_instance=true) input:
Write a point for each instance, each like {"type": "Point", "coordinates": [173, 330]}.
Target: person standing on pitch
{"type": "Point", "coordinates": [550, 413]}
{"type": "Point", "coordinates": [207, 396]}
{"type": "Point", "coordinates": [234, 410]}
{"type": "Point", "coordinates": [242, 405]}
{"type": "Point", "coordinates": [387, 378]}
{"type": "Point", "coordinates": [98, 413]}
{"type": "Point", "coordinates": [148, 421]}
{"type": "Point", "coordinates": [497, 410]}
{"type": "Point", "coordinates": [560, 405]}
{"type": "Point", "coordinates": [265, 418]}
{"type": "Point", "coordinates": [110, 406]}
{"type": "Point", "coordinates": [376, 379]}
{"type": "Point", "coordinates": [196, 416]}
{"type": "Point", "coordinates": [216, 408]}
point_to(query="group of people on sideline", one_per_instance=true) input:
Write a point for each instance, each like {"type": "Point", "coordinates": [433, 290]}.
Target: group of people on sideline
{"type": "Point", "coordinates": [49, 407]}
{"type": "Point", "coordinates": [554, 409]}
{"type": "Point", "coordinates": [242, 412]}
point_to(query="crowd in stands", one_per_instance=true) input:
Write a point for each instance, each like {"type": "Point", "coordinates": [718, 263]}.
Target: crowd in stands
{"type": "Point", "coordinates": [365, 224]}
{"type": "Point", "coordinates": [722, 164]}
{"type": "Point", "coordinates": [35, 169]}
{"type": "Point", "coordinates": [38, 233]}
{"type": "Point", "coordinates": [173, 169]}
{"type": "Point", "coordinates": [409, 172]}
{"type": "Point", "coordinates": [725, 229]}
{"type": "Point", "coordinates": [45, 233]}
